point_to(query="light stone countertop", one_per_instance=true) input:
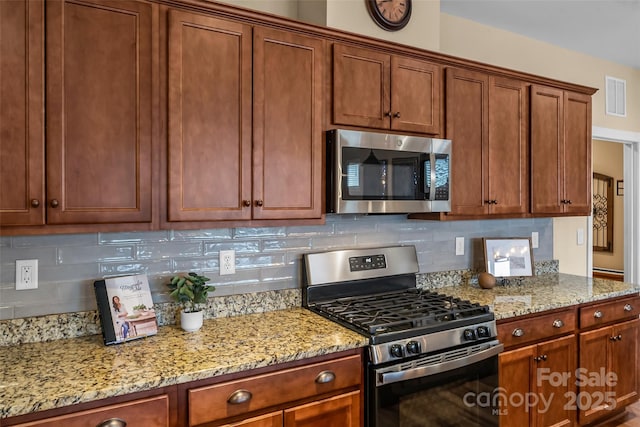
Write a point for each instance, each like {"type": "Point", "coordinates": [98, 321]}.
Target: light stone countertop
{"type": "Point", "coordinates": [540, 293]}
{"type": "Point", "coordinates": [46, 375]}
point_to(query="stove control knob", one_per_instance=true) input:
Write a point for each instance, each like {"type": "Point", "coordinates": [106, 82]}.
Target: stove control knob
{"type": "Point", "coordinates": [469, 334]}
{"type": "Point", "coordinates": [413, 347]}
{"type": "Point", "coordinates": [483, 332]}
{"type": "Point", "coordinates": [396, 350]}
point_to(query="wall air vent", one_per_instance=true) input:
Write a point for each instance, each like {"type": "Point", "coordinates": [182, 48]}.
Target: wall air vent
{"type": "Point", "coordinates": [616, 94]}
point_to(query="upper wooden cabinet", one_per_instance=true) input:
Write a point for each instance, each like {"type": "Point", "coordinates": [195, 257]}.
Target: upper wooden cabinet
{"type": "Point", "coordinates": [378, 90]}
{"type": "Point", "coordinates": [22, 197]}
{"type": "Point", "coordinates": [209, 107]}
{"type": "Point", "coordinates": [222, 165]}
{"type": "Point", "coordinates": [99, 70]}
{"type": "Point", "coordinates": [487, 120]}
{"type": "Point", "coordinates": [560, 152]}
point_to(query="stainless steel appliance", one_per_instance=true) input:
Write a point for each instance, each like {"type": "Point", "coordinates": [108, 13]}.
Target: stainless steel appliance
{"type": "Point", "coordinates": [385, 173]}
{"type": "Point", "coordinates": [432, 359]}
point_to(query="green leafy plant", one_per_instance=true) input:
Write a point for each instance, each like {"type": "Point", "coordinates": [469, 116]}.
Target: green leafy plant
{"type": "Point", "coordinates": [140, 307]}
{"type": "Point", "coordinates": [190, 290]}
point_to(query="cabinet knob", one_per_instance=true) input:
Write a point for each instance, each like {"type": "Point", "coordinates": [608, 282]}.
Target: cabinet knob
{"type": "Point", "coordinates": [628, 307]}
{"type": "Point", "coordinates": [35, 203]}
{"type": "Point", "coordinates": [558, 323]}
{"type": "Point", "coordinates": [325, 377]}
{"type": "Point", "coordinates": [113, 422]}
{"type": "Point", "coordinates": [55, 203]}
{"type": "Point", "coordinates": [541, 358]}
{"type": "Point", "coordinates": [259, 203]}
{"type": "Point", "coordinates": [619, 337]}
{"type": "Point", "coordinates": [387, 114]}
{"type": "Point", "coordinates": [569, 201]}
{"type": "Point", "coordinates": [597, 314]}
{"type": "Point", "coordinates": [239, 396]}
{"type": "Point", "coordinates": [517, 332]}
{"type": "Point", "coordinates": [246, 203]}
{"type": "Point", "coordinates": [397, 115]}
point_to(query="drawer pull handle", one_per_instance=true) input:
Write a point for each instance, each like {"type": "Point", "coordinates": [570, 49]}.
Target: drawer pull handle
{"type": "Point", "coordinates": [558, 323]}
{"type": "Point", "coordinates": [325, 377]}
{"type": "Point", "coordinates": [597, 314]}
{"type": "Point", "coordinates": [628, 307]}
{"type": "Point", "coordinates": [239, 396]}
{"type": "Point", "coordinates": [113, 422]}
{"type": "Point", "coordinates": [517, 332]}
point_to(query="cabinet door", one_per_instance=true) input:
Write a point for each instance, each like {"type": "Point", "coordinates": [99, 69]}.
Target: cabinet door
{"type": "Point", "coordinates": [273, 419]}
{"type": "Point", "coordinates": [558, 358]}
{"type": "Point", "coordinates": [22, 198]}
{"type": "Point", "coordinates": [151, 412]}
{"type": "Point", "coordinates": [99, 71]}
{"type": "Point", "coordinates": [209, 108]}
{"type": "Point", "coordinates": [577, 153]}
{"type": "Point", "coordinates": [287, 129]}
{"type": "Point", "coordinates": [594, 356]}
{"type": "Point", "coordinates": [467, 115]}
{"type": "Point", "coordinates": [515, 374]}
{"type": "Point", "coordinates": [415, 95]}
{"type": "Point", "coordinates": [623, 362]}
{"type": "Point", "coordinates": [342, 410]}
{"type": "Point", "coordinates": [361, 87]}
{"type": "Point", "coordinates": [547, 154]}
{"type": "Point", "coordinates": [508, 156]}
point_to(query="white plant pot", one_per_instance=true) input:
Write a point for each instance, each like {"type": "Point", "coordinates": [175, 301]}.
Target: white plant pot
{"type": "Point", "coordinates": [191, 322]}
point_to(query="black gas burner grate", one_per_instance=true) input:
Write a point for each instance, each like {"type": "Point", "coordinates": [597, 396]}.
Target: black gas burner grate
{"type": "Point", "coordinates": [401, 310]}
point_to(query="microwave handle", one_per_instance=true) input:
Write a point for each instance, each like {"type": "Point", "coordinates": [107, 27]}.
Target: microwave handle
{"type": "Point", "coordinates": [432, 172]}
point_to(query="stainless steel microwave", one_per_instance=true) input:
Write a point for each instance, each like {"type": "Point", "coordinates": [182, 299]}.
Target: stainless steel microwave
{"type": "Point", "coordinates": [380, 173]}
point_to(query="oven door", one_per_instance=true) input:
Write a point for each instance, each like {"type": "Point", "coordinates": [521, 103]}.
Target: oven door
{"type": "Point", "coordinates": [453, 388]}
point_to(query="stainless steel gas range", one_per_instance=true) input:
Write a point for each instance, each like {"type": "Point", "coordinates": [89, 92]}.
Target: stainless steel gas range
{"type": "Point", "coordinates": [432, 360]}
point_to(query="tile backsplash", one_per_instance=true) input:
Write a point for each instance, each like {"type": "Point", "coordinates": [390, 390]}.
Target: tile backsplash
{"type": "Point", "coordinates": [267, 258]}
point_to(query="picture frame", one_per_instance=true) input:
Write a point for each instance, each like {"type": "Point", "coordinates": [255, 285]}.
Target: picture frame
{"type": "Point", "coordinates": [508, 257]}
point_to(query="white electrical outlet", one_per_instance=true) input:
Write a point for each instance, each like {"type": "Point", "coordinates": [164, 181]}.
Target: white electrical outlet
{"type": "Point", "coordinates": [26, 274]}
{"type": "Point", "coordinates": [227, 262]}
{"type": "Point", "coordinates": [534, 239]}
{"type": "Point", "coordinates": [459, 245]}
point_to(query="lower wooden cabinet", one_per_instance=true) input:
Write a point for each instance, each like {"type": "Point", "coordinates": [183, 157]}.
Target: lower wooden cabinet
{"type": "Point", "coordinates": [608, 376]}
{"type": "Point", "coordinates": [342, 410]}
{"type": "Point", "coordinates": [150, 412]}
{"type": "Point", "coordinates": [317, 394]}
{"type": "Point", "coordinates": [534, 393]}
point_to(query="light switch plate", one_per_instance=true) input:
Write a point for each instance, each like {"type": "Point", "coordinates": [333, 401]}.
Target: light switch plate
{"type": "Point", "coordinates": [459, 245]}
{"type": "Point", "coordinates": [580, 236]}
{"type": "Point", "coordinates": [534, 239]}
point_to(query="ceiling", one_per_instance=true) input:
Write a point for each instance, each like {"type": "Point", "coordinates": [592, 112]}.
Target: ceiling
{"type": "Point", "coordinates": [607, 29]}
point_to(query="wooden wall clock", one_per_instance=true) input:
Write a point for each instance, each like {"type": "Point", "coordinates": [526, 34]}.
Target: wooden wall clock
{"type": "Point", "coordinates": [391, 15]}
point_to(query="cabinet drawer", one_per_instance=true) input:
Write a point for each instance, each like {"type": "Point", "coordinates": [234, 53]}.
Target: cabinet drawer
{"type": "Point", "coordinates": [607, 312]}
{"type": "Point", "coordinates": [151, 412]}
{"type": "Point", "coordinates": [537, 328]}
{"type": "Point", "coordinates": [212, 403]}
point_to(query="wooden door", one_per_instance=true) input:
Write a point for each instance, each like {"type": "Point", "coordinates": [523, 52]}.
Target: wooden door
{"type": "Point", "coordinates": [623, 362]}
{"type": "Point", "coordinates": [273, 419]}
{"type": "Point", "coordinates": [515, 374]}
{"type": "Point", "coordinates": [577, 153]}
{"type": "Point", "coordinates": [594, 355]}
{"type": "Point", "coordinates": [287, 128]}
{"type": "Point", "coordinates": [557, 357]}
{"type": "Point", "coordinates": [547, 154]}
{"type": "Point", "coordinates": [508, 157]}
{"type": "Point", "coordinates": [361, 85]}
{"type": "Point", "coordinates": [415, 95]}
{"type": "Point", "coordinates": [99, 106]}
{"type": "Point", "coordinates": [467, 115]}
{"type": "Point", "coordinates": [209, 108]}
{"type": "Point", "coordinates": [338, 411]}
{"type": "Point", "coordinates": [22, 198]}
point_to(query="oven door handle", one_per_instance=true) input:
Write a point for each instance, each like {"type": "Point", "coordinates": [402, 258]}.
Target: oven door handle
{"type": "Point", "coordinates": [423, 371]}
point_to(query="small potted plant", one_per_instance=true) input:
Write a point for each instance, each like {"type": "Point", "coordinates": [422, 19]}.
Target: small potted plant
{"type": "Point", "coordinates": [190, 290]}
